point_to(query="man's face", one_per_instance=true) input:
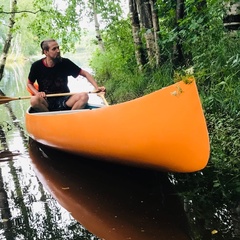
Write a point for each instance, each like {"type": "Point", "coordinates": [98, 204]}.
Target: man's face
{"type": "Point", "coordinates": [53, 52]}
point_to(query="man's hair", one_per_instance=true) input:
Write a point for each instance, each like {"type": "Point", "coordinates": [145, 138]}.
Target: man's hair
{"type": "Point", "coordinates": [44, 44]}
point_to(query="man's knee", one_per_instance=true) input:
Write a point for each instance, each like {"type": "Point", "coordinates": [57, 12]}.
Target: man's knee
{"type": "Point", "coordinates": [83, 97]}
{"type": "Point", "coordinates": [36, 101]}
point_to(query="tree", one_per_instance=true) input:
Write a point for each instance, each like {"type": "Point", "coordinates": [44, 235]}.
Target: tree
{"type": "Point", "coordinates": [144, 17]}
{"type": "Point", "coordinates": [232, 17]}
{"type": "Point", "coordinates": [107, 11]}
{"type": "Point", "coordinates": [156, 30]}
{"type": "Point", "coordinates": [179, 17]}
{"type": "Point", "coordinates": [41, 19]}
{"type": "Point", "coordinates": [8, 40]}
{"type": "Point", "coordinates": [53, 22]}
{"type": "Point", "coordinates": [97, 25]}
{"type": "Point", "coordinates": [135, 22]}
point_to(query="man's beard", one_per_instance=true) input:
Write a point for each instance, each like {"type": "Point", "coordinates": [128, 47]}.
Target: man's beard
{"type": "Point", "coordinates": [57, 59]}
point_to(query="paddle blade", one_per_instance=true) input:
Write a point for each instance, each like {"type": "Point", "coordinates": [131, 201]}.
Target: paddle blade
{"type": "Point", "coordinates": [4, 99]}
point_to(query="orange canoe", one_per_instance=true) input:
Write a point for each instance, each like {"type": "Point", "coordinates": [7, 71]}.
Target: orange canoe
{"type": "Point", "coordinates": [165, 129]}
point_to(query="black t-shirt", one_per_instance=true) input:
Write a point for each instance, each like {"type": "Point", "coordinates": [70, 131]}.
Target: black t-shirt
{"type": "Point", "coordinates": [53, 79]}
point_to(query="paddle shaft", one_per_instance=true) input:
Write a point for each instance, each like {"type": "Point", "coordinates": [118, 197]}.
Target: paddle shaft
{"type": "Point", "coordinates": [4, 99]}
{"type": "Point", "coordinates": [101, 95]}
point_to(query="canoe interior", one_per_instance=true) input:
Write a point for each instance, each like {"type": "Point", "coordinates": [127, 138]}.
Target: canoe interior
{"type": "Point", "coordinates": [88, 107]}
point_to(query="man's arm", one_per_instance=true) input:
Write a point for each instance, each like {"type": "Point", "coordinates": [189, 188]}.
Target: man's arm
{"type": "Point", "coordinates": [33, 90]}
{"type": "Point", "coordinates": [90, 78]}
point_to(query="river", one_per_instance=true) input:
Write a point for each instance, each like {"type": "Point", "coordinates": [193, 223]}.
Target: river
{"type": "Point", "coordinates": [48, 194]}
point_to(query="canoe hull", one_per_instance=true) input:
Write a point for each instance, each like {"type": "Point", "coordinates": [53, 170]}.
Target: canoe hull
{"type": "Point", "coordinates": [165, 129]}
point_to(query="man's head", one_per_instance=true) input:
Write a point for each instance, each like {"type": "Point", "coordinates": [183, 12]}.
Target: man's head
{"type": "Point", "coordinates": [51, 49]}
{"type": "Point", "coordinates": [45, 44]}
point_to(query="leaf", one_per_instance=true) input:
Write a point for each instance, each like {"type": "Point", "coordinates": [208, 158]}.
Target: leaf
{"type": "Point", "coordinates": [214, 232]}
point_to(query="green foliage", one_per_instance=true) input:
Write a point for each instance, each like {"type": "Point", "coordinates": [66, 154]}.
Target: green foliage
{"type": "Point", "coordinates": [19, 31]}
{"type": "Point", "coordinates": [117, 65]}
{"type": "Point", "coordinates": [117, 69]}
{"type": "Point", "coordinates": [212, 51]}
{"type": "Point", "coordinates": [108, 10]}
{"type": "Point", "coordinates": [225, 146]}
{"type": "Point", "coordinates": [225, 140]}
{"type": "Point", "coordinates": [50, 22]}
{"type": "Point", "coordinates": [4, 7]}
{"type": "Point", "coordinates": [40, 19]}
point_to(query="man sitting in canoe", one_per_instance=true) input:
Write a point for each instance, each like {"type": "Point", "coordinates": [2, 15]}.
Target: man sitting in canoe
{"type": "Point", "coordinates": [51, 74]}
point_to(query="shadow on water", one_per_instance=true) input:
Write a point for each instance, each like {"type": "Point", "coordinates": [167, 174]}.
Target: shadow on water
{"type": "Point", "coordinates": [111, 201]}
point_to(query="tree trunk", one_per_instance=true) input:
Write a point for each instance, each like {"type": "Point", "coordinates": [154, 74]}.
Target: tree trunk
{"type": "Point", "coordinates": [232, 19]}
{"type": "Point", "coordinates": [8, 40]}
{"type": "Point", "coordinates": [178, 52]}
{"type": "Point", "coordinates": [156, 30]}
{"type": "Point", "coordinates": [97, 27]}
{"type": "Point", "coordinates": [139, 50]}
{"type": "Point", "coordinates": [145, 14]}
{"type": "Point", "coordinates": [144, 19]}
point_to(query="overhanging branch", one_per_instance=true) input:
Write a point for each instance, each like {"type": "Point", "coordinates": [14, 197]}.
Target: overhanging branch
{"type": "Point", "coordinates": [23, 11]}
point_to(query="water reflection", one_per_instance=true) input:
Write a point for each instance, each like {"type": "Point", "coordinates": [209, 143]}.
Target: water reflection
{"type": "Point", "coordinates": [212, 213]}
{"type": "Point", "coordinates": [6, 155]}
{"type": "Point", "coordinates": [111, 201]}
{"type": "Point", "coordinates": [27, 210]}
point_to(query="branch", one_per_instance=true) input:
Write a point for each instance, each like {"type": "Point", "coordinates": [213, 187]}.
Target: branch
{"type": "Point", "coordinates": [24, 11]}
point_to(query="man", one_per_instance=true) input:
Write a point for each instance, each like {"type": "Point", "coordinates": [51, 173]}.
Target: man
{"type": "Point", "coordinates": [51, 74]}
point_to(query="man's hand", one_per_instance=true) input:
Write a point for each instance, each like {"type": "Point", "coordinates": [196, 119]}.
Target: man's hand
{"type": "Point", "coordinates": [101, 89]}
{"type": "Point", "coordinates": [41, 94]}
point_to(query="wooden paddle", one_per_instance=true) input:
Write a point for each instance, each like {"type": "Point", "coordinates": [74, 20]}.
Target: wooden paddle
{"type": "Point", "coordinates": [101, 95]}
{"type": "Point", "coordinates": [4, 99]}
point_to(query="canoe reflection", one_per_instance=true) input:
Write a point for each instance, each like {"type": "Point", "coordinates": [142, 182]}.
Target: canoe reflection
{"type": "Point", "coordinates": [111, 201]}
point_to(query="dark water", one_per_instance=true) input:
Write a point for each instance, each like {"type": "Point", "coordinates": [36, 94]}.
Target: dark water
{"type": "Point", "coordinates": [47, 194]}
{"type": "Point", "coordinates": [111, 201]}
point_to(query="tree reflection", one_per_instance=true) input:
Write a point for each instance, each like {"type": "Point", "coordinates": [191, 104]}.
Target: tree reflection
{"type": "Point", "coordinates": [211, 214]}
{"type": "Point", "coordinates": [27, 210]}
{"type": "Point", "coordinates": [6, 223]}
